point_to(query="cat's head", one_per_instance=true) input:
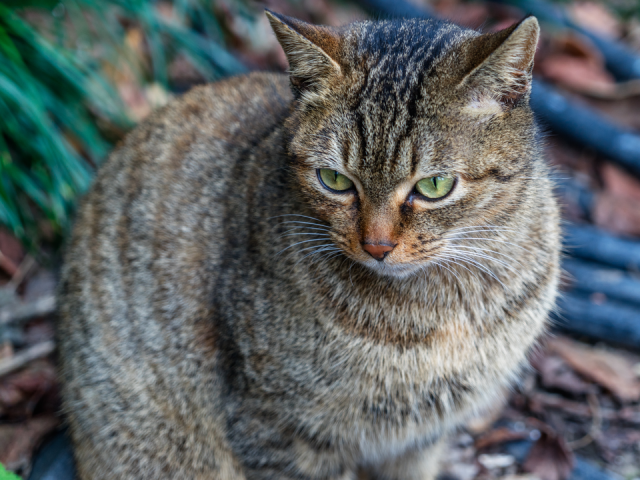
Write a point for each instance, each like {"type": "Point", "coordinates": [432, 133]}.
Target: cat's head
{"type": "Point", "coordinates": [406, 132]}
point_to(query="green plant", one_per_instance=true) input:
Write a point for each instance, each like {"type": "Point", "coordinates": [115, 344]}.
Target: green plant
{"type": "Point", "coordinates": [6, 475]}
{"type": "Point", "coordinates": [55, 91]}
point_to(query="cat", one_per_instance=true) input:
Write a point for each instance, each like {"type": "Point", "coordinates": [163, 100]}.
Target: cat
{"type": "Point", "coordinates": [313, 276]}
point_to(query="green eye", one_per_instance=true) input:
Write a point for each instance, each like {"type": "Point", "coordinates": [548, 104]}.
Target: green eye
{"type": "Point", "coordinates": [333, 180]}
{"type": "Point", "coordinates": [435, 187]}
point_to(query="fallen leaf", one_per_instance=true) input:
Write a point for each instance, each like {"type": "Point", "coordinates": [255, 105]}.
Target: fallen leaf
{"type": "Point", "coordinates": [578, 75]}
{"type": "Point", "coordinates": [11, 253]}
{"type": "Point", "coordinates": [595, 17]}
{"type": "Point", "coordinates": [609, 369]}
{"type": "Point", "coordinates": [18, 442]}
{"type": "Point", "coordinates": [572, 61]}
{"type": "Point", "coordinates": [555, 373]}
{"type": "Point", "coordinates": [22, 391]}
{"type": "Point", "coordinates": [549, 458]}
{"type": "Point", "coordinates": [617, 214]}
{"type": "Point", "coordinates": [620, 183]}
{"type": "Point", "coordinates": [498, 436]}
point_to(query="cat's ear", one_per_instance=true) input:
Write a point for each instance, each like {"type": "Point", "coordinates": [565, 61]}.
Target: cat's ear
{"type": "Point", "coordinates": [499, 65]}
{"type": "Point", "coordinates": [312, 51]}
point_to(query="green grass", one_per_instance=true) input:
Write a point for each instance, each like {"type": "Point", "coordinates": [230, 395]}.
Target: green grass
{"type": "Point", "coordinates": [60, 112]}
{"type": "Point", "coordinates": [6, 475]}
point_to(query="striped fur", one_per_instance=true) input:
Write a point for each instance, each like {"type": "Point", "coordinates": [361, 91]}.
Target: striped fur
{"type": "Point", "coordinates": [219, 318]}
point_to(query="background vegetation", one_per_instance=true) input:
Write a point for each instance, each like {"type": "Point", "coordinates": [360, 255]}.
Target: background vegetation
{"type": "Point", "coordinates": [76, 75]}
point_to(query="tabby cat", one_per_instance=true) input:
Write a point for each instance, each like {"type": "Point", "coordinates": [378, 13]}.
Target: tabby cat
{"type": "Point", "coordinates": [313, 276]}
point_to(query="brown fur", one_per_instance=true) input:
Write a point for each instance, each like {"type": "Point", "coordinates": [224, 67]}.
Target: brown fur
{"type": "Point", "coordinates": [201, 338]}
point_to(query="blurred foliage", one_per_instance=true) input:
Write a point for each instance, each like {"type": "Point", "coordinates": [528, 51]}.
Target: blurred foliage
{"type": "Point", "coordinates": [61, 98]}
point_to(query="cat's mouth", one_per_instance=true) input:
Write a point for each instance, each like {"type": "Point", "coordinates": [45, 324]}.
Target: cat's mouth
{"type": "Point", "coordinates": [393, 267]}
{"type": "Point", "coordinates": [399, 262]}
{"type": "Point", "coordinates": [398, 270]}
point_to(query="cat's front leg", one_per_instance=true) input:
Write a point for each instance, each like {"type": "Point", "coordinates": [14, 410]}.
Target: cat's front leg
{"type": "Point", "coordinates": [423, 464]}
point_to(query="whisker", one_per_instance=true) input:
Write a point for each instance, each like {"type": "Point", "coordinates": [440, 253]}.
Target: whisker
{"type": "Point", "coordinates": [326, 248]}
{"type": "Point", "coordinates": [316, 246]}
{"type": "Point", "coordinates": [487, 250]}
{"type": "Point", "coordinates": [467, 232]}
{"type": "Point", "coordinates": [303, 233]}
{"type": "Point", "coordinates": [298, 243]}
{"type": "Point", "coordinates": [486, 257]}
{"type": "Point", "coordinates": [300, 222]}
{"type": "Point", "coordinates": [438, 264]}
{"type": "Point", "coordinates": [484, 227]}
{"type": "Point", "coordinates": [294, 215]}
{"type": "Point", "coordinates": [452, 259]}
{"type": "Point", "coordinates": [481, 267]}
{"type": "Point", "coordinates": [307, 228]}
{"type": "Point", "coordinates": [496, 240]}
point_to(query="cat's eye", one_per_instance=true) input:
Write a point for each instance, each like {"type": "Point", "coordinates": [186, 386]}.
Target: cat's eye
{"type": "Point", "coordinates": [435, 187]}
{"type": "Point", "coordinates": [334, 181]}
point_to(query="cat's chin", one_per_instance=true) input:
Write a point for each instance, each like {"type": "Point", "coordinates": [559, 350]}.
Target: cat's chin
{"type": "Point", "coordinates": [402, 270]}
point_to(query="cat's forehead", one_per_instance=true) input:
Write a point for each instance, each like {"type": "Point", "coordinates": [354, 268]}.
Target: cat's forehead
{"type": "Point", "coordinates": [392, 62]}
{"type": "Point", "coordinates": [399, 49]}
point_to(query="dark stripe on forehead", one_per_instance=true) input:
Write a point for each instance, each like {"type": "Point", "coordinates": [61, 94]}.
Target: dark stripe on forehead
{"type": "Point", "coordinates": [398, 56]}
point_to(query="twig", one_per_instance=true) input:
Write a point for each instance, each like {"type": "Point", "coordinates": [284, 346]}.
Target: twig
{"type": "Point", "coordinates": [594, 244]}
{"type": "Point", "coordinates": [614, 284]}
{"type": "Point", "coordinates": [25, 311]}
{"type": "Point", "coordinates": [596, 425]}
{"type": "Point", "coordinates": [21, 273]}
{"type": "Point", "coordinates": [539, 402]}
{"type": "Point", "coordinates": [21, 359]}
{"type": "Point", "coordinates": [8, 265]}
{"type": "Point", "coordinates": [611, 321]}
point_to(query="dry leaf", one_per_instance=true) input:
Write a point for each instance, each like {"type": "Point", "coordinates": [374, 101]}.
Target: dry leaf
{"type": "Point", "coordinates": [22, 391]}
{"type": "Point", "coordinates": [574, 62]}
{"type": "Point", "coordinates": [499, 435]}
{"type": "Point", "coordinates": [596, 18]}
{"type": "Point", "coordinates": [549, 458]}
{"type": "Point", "coordinates": [611, 370]}
{"type": "Point", "coordinates": [18, 442]}
{"type": "Point", "coordinates": [617, 214]}
{"type": "Point", "coordinates": [555, 373]}
{"type": "Point", "coordinates": [11, 253]}
{"type": "Point", "coordinates": [620, 183]}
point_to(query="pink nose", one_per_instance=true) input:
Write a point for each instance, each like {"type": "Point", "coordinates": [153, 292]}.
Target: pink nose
{"type": "Point", "coordinates": [378, 251]}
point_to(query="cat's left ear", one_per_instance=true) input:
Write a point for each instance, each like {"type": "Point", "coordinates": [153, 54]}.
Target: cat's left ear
{"type": "Point", "coordinates": [500, 65]}
{"type": "Point", "coordinates": [312, 51]}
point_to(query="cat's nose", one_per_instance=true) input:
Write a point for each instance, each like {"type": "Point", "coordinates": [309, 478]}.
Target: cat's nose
{"type": "Point", "coordinates": [378, 251]}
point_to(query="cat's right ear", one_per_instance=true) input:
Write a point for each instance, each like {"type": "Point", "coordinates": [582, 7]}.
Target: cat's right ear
{"type": "Point", "coordinates": [498, 66]}
{"type": "Point", "coordinates": [312, 52]}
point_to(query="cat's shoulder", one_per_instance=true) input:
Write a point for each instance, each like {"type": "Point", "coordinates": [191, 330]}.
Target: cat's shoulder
{"type": "Point", "coordinates": [218, 118]}
{"type": "Point", "coordinates": [236, 98]}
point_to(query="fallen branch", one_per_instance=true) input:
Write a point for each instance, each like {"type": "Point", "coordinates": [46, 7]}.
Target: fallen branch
{"type": "Point", "coordinates": [22, 358]}
{"type": "Point", "coordinates": [585, 126]}
{"type": "Point", "coordinates": [8, 265]}
{"type": "Point", "coordinates": [591, 243]}
{"type": "Point", "coordinates": [611, 321]}
{"type": "Point", "coordinates": [22, 312]}
{"type": "Point", "coordinates": [588, 278]}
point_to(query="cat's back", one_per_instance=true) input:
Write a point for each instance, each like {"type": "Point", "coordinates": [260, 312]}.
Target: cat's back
{"type": "Point", "coordinates": [176, 166]}
{"type": "Point", "coordinates": [142, 255]}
